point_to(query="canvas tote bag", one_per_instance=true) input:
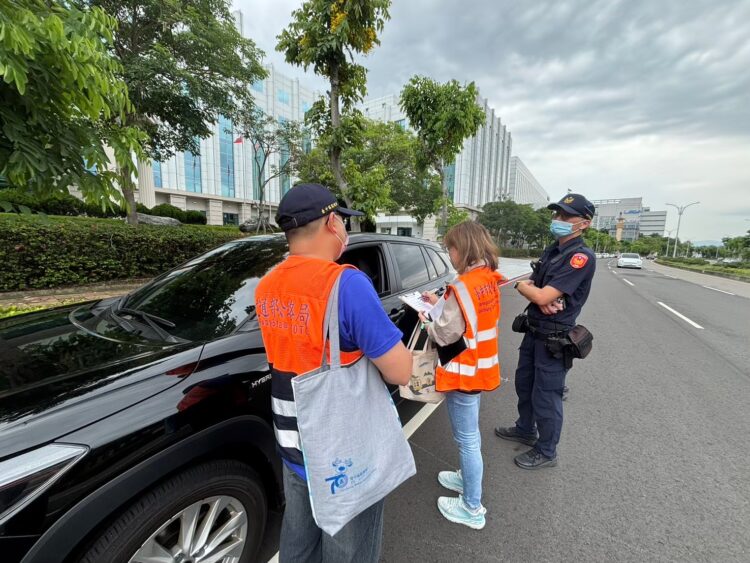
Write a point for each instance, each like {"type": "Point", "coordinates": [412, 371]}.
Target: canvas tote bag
{"type": "Point", "coordinates": [421, 386]}
{"type": "Point", "coordinates": [353, 446]}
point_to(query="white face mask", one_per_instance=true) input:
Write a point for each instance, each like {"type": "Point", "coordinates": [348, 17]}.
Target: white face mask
{"type": "Point", "coordinates": [345, 241]}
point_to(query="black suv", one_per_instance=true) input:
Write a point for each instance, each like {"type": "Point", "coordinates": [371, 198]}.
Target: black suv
{"type": "Point", "coordinates": [139, 429]}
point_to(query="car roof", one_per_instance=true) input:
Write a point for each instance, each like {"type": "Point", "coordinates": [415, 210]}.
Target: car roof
{"type": "Point", "coordinates": [356, 237]}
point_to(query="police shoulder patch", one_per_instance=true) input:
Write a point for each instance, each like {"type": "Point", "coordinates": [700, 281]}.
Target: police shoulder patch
{"type": "Point", "coordinates": [579, 260]}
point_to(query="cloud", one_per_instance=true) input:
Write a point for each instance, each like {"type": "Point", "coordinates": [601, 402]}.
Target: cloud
{"type": "Point", "coordinates": [613, 98]}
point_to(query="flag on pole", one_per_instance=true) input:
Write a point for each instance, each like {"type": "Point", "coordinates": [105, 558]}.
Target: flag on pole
{"type": "Point", "coordinates": [238, 140]}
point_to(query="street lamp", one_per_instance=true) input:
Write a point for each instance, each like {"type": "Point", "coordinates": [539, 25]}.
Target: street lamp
{"type": "Point", "coordinates": [669, 235]}
{"type": "Point", "coordinates": [680, 209]}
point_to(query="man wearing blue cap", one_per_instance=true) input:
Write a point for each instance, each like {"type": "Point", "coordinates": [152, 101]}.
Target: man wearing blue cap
{"type": "Point", "coordinates": [557, 290]}
{"type": "Point", "coordinates": [295, 294]}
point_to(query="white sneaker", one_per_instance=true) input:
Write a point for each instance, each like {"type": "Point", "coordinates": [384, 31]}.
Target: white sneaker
{"type": "Point", "coordinates": [452, 480]}
{"type": "Point", "coordinates": [455, 510]}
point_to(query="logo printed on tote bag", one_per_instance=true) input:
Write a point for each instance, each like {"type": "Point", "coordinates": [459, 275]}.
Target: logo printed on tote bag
{"type": "Point", "coordinates": [341, 480]}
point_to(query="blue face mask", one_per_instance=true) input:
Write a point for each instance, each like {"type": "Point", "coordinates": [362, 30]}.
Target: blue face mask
{"type": "Point", "coordinates": [560, 229]}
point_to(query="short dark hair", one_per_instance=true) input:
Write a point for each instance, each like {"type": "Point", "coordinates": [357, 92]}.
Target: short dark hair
{"type": "Point", "coordinates": [305, 230]}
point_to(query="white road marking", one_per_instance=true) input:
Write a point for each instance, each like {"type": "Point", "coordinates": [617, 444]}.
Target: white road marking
{"type": "Point", "coordinates": [628, 282]}
{"type": "Point", "coordinates": [720, 290]}
{"type": "Point", "coordinates": [668, 276]}
{"type": "Point", "coordinates": [418, 419]}
{"type": "Point", "coordinates": [615, 273]}
{"type": "Point", "coordinates": [683, 317]}
{"type": "Point", "coordinates": [414, 423]}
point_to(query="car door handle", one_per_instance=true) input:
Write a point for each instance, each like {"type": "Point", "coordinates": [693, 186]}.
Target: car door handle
{"type": "Point", "coordinates": [397, 314]}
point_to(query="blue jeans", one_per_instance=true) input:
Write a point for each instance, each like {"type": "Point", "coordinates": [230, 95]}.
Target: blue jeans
{"type": "Point", "coordinates": [302, 541]}
{"type": "Point", "coordinates": [540, 379]}
{"type": "Point", "coordinates": [463, 410]}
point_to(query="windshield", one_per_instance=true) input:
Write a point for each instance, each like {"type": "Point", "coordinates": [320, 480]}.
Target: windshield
{"type": "Point", "coordinates": [211, 295]}
{"type": "Point", "coordinates": [629, 255]}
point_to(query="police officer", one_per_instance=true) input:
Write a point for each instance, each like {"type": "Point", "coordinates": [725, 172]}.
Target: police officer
{"type": "Point", "coordinates": [556, 291]}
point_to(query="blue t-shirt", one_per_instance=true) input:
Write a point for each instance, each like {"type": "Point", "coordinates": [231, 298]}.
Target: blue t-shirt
{"type": "Point", "coordinates": [363, 324]}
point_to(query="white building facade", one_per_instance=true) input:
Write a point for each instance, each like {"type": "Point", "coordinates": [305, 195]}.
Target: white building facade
{"type": "Point", "coordinates": [639, 221]}
{"type": "Point", "coordinates": [523, 186]}
{"type": "Point", "coordinates": [479, 175]}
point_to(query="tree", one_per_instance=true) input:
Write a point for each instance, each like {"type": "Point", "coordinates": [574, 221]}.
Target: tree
{"type": "Point", "coordinates": [185, 64]}
{"type": "Point", "coordinates": [62, 100]}
{"type": "Point", "coordinates": [379, 167]}
{"type": "Point", "coordinates": [455, 215]}
{"type": "Point", "coordinates": [277, 149]}
{"type": "Point", "coordinates": [444, 115]}
{"type": "Point", "coordinates": [513, 224]}
{"type": "Point", "coordinates": [325, 34]}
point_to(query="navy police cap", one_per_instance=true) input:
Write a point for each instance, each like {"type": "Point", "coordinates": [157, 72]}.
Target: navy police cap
{"type": "Point", "coordinates": [575, 204]}
{"type": "Point", "coordinates": [305, 203]}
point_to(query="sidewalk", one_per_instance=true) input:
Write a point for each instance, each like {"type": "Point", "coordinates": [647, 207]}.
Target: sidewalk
{"type": "Point", "coordinates": [62, 295]}
{"type": "Point", "coordinates": [724, 284]}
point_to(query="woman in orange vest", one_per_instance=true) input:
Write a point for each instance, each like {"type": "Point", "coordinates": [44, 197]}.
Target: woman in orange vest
{"type": "Point", "coordinates": [471, 313]}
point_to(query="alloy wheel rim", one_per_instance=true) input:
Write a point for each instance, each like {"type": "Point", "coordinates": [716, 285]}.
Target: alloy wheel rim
{"type": "Point", "coordinates": [211, 530]}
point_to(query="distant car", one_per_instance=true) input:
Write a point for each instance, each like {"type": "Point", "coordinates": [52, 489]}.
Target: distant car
{"type": "Point", "coordinates": [629, 260]}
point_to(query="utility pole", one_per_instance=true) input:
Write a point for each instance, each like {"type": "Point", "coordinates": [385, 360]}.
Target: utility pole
{"type": "Point", "coordinates": [680, 210]}
{"type": "Point", "coordinates": [669, 236]}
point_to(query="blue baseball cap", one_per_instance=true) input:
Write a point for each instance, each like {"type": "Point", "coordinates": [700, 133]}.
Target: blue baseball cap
{"type": "Point", "coordinates": [305, 203]}
{"type": "Point", "coordinates": [575, 204]}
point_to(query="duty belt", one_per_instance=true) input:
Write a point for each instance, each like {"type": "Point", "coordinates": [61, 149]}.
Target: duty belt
{"type": "Point", "coordinates": [536, 331]}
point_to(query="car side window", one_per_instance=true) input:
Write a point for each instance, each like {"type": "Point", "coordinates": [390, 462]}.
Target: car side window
{"type": "Point", "coordinates": [430, 266]}
{"type": "Point", "coordinates": [440, 266]}
{"type": "Point", "coordinates": [411, 265]}
{"type": "Point", "coordinates": [369, 260]}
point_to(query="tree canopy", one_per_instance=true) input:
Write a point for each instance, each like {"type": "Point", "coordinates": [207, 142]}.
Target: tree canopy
{"type": "Point", "coordinates": [444, 116]}
{"type": "Point", "coordinates": [380, 167]}
{"type": "Point", "coordinates": [325, 35]}
{"type": "Point", "coordinates": [185, 64]}
{"type": "Point", "coordinates": [62, 100]}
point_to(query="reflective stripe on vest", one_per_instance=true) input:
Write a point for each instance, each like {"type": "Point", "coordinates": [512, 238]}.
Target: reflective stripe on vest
{"type": "Point", "coordinates": [477, 367]}
{"type": "Point", "coordinates": [290, 303]}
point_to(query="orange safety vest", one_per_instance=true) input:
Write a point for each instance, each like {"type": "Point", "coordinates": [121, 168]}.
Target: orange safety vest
{"type": "Point", "coordinates": [477, 368]}
{"type": "Point", "coordinates": [290, 304]}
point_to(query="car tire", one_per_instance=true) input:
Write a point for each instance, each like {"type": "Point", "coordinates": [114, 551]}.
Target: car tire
{"type": "Point", "coordinates": [172, 503]}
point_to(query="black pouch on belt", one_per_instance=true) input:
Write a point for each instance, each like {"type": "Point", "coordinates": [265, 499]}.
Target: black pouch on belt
{"type": "Point", "coordinates": [580, 341]}
{"type": "Point", "coordinates": [521, 323]}
{"type": "Point", "coordinates": [555, 346]}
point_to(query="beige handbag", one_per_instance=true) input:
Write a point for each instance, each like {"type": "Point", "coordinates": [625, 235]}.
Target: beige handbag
{"type": "Point", "coordinates": [421, 386]}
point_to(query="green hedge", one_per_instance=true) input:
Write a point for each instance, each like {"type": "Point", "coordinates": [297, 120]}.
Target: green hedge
{"type": "Point", "coordinates": [36, 252]}
{"type": "Point", "coordinates": [60, 204]}
{"type": "Point", "coordinates": [740, 270]}
{"type": "Point", "coordinates": [65, 204]}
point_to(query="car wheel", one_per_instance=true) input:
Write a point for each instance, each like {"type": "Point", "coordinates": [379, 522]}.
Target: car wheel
{"type": "Point", "coordinates": [211, 512]}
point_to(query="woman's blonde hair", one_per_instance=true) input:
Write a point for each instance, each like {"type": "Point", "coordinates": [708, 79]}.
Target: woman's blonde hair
{"type": "Point", "coordinates": [473, 243]}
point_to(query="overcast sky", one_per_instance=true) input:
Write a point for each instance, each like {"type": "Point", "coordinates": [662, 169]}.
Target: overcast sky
{"type": "Point", "coordinates": [609, 98]}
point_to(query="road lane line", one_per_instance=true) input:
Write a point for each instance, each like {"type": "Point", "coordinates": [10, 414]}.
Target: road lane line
{"type": "Point", "coordinates": [418, 419]}
{"type": "Point", "coordinates": [668, 276]}
{"type": "Point", "coordinates": [683, 317]}
{"type": "Point", "coordinates": [615, 273]}
{"type": "Point", "coordinates": [720, 290]}
{"type": "Point", "coordinates": [628, 282]}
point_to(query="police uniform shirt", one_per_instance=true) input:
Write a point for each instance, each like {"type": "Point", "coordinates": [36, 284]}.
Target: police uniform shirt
{"type": "Point", "coordinates": [572, 276]}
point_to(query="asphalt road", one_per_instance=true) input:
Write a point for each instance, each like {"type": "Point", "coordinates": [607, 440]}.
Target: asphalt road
{"type": "Point", "coordinates": [654, 453]}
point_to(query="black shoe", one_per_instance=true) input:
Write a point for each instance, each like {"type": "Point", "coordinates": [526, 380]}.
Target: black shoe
{"type": "Point", "coordinates": [511, 433]}
{"type": "Point", "coordinates": [566, 390]}
{"type": "Point", "coordinates": [534, 460]}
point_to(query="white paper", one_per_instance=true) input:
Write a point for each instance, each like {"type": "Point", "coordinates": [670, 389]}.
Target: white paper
{"type": "Point", "coordinates": [415, 301]}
